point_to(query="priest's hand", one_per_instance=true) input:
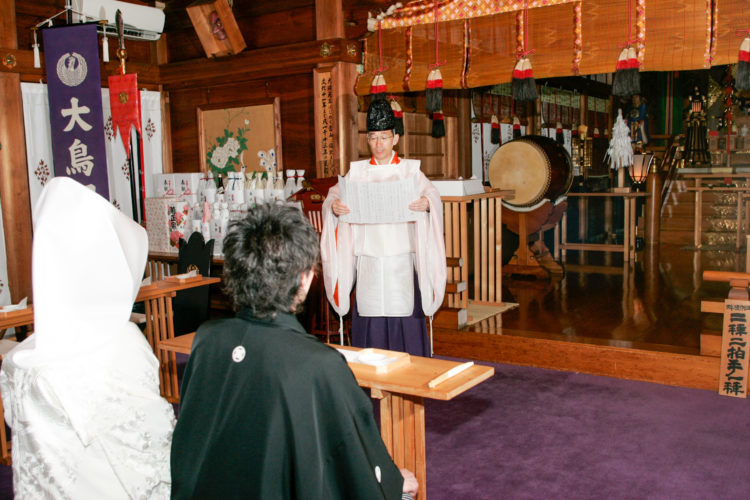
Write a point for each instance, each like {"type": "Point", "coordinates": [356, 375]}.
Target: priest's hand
{"type": "Point", "coordinates": [339, 208]}
{"type": "Point", "coordinates": [410, 482]}
{"type": "Point", "coordinates": [420, 205]}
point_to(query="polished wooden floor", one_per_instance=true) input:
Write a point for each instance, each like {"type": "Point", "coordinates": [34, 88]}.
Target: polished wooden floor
{"type": "Point", "coordinates": [639, 320]}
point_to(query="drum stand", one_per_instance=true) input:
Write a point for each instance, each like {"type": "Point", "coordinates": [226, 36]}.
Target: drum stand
{"type": "Point", "coordinates": [534, 260]}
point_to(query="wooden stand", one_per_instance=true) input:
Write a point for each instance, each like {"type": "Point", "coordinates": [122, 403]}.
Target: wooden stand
{"type": "Point", "coordinates": [159, 327]}
{"type": "Point", "coordinates": [629, 224]}
{"type": "Point", "coordinates": [460, 213]}
{"type": "Point", "coordinates": [621, 188]}
{"type": "Point", "coordinates": [535, 260]}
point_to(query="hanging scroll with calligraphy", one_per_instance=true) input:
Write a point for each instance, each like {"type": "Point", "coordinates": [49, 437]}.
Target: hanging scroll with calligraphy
{"type": "Point", "coordinates": [325, 144]}
{"type": "Point", "coordinates": [734, 355]}
{"type": "Point", "coordinates": [71, 56]}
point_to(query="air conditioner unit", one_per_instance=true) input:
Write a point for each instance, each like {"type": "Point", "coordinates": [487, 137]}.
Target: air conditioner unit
{"type": "Point", "coordinates": [140, 22]}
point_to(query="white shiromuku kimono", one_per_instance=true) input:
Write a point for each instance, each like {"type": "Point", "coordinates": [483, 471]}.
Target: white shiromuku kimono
{"type": "Point", "coordinates": [81, 394]}
{"type": "Point", "coordinates": [382, 258]}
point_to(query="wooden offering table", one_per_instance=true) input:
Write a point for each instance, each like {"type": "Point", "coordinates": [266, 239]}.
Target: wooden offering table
{"type": "Point", "coordinates": [401, 392]}
{"type": "Point", "coordinates": [631, 219]}
{"type": "Point", "coordinates": [19, 317]}
{"type": "Point", "coordinates": [157, 299]}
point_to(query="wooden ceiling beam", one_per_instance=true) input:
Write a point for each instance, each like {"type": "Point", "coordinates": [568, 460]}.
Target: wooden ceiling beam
{"type": "Point", "coordinates": [148, 74]}
{"type": "Point", "coordinates": [277, 61]}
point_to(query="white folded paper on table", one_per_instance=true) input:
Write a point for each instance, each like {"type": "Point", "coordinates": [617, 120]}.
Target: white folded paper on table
{"type": "Point", "coordinates": [367, 358]}
{"type": "Point", "coordinates": [379, 202]}
{"type": "Point", "coordinates": [15, 307]}
{"type": "Point", "coordinates": [183, 276]}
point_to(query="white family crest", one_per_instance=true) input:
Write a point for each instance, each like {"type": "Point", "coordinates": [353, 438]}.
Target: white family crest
{"type": "Point", "coordinates": [71, 69]}
{"type": "Point", "coordinates": [238, 354]}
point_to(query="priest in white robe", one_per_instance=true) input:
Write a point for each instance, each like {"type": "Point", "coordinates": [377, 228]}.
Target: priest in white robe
{"type": "Point", "coordinates": [81, 394]}
{"type": "Point", "coordinates": [399, 268]}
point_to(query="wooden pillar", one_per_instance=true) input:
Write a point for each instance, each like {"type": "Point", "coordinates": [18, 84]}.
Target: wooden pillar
{"type": "Point", "coordinates": [653, 208]}
{"type": "Point", "coordinates": [464, 133]}
{"type": "Point", "coordinates": [14, 181]}
{"type": "Point", "coordinates": [583, 103]}
{"type": "Point", "coordinates": [335, 102]}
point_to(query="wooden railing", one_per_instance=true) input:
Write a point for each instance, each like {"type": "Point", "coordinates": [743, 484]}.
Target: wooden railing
{"type": "Point", "coordinates": [479, 248]}
{"type": "Point", "coordinates": [742, 190]}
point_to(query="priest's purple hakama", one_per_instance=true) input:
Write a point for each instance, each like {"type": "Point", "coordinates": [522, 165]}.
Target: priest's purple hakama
{"type": "Point", "coordinates": [407, 333]}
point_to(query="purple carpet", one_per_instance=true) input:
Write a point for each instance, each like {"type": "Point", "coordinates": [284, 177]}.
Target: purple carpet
{"type": "Point", "coordinates": [534, 433]}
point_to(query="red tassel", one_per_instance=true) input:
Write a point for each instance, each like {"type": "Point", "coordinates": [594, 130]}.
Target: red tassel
{"type": "Point", "coordinates": [398, 114]}
{"type": "Point", "coordinates": [434, 91]}
{"type": "Point", "coordinates": [438, 125]}
{"type": "Point", "coordinates": [627, 80]}
{"type": "Point", "coordinates": [523, 85]}
{"type": "Point", "coordinates": [377, 87]}
{"type": "Point", "coordinates": [495, 130]}
{"type": "Point", "coordinates": [516, 128]}
{"type": "Point", "coordinates": [742, 82]}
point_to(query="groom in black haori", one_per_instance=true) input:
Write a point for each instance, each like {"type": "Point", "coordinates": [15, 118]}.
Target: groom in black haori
{"type": "Point", "coordinates": [267, 410]}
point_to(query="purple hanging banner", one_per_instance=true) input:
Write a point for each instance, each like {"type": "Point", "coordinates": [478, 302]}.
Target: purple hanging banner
{"type": "Point", "coordinates": [71, 57]}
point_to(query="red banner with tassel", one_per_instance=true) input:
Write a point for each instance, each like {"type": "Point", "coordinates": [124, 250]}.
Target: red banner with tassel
{"type": "Point", "coordinates": [125, 102]}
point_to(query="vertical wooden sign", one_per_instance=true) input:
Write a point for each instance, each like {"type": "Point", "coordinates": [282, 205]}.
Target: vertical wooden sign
{"type": "Point", "coordinates": [734, 359]}
{"type": "Point", "coordinates": [325, 138]}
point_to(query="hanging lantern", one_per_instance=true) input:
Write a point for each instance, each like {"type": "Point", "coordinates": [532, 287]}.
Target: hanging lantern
{"type": "Point", "coordinates": [639, 169]}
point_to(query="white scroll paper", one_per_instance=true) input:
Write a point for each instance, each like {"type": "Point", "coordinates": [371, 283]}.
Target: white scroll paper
{"type": "Point", "coordinates": [379, 202]}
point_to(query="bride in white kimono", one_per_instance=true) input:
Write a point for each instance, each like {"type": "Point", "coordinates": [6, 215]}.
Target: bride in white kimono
{"type": "Point", "coordinates": [81, 394]}
{"type": "Point", "coordinates": [399, 268]}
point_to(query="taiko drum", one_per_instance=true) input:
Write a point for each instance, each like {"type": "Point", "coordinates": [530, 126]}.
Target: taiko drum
{"type": "Point", "coordinates": [535, 167]}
